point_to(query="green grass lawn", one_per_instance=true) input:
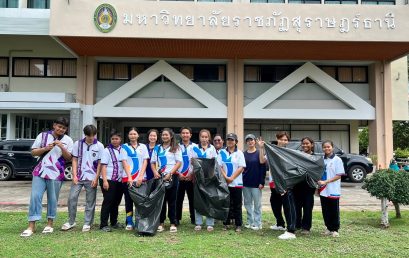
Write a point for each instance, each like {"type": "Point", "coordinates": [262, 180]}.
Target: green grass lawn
{"type": "Point", "coordinates": [360, 233]}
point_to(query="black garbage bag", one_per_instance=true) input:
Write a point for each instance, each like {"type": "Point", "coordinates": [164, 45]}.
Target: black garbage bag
{"type": "Point", "coordinates": [148, 199]}
{"type": "Point", "coordinates": [211, 193]}
{"type": "Point", "coordinates": [289, 167]}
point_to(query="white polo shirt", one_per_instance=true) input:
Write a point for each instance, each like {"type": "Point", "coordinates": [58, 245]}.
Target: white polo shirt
{"type": "Point", "coordinates": [52, 165]}
{"type": "Point", "coordinates": [231, 162]}
{"type": "Point", "coordinates": [186, 166]}
{"type": "Point", "coordinates": [333, 167]}
{"type": "Point", "coordinates": [200, 152]}
{"type": "Point", "coordinates": [114, 171]}
{"type": "Point", "coordinates": [88, 160]}
{"type": "Point", "coordinates": [135, 158]}
{"type": "Point", "coordinates": [165, 159]}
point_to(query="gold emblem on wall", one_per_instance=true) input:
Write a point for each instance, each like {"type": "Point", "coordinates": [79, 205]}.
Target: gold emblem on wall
{"type": "Point", "coordinates": [105, 18]}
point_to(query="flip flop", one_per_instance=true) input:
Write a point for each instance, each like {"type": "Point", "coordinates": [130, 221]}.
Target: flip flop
{"type": "Point", "coordinates": [48, 230]}
{"type": "Point", "coordinates": [27, 233]}
{"type": "Point", "coordinates": [67, 226]}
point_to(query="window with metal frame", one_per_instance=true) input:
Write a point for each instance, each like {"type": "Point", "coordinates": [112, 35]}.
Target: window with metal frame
{"type": "Point", "coordinates": [379, 2]}
{"type": "Point", "coordinates": [4, 66]}
{"type": "Point", "coordinates": [341, 1]}
{"type": "Point", "coordinates": [38, 4]}
{"type": "Point", "coordinates": [8, 3]}
{"type": "Point", "coordinates": [44, 67]}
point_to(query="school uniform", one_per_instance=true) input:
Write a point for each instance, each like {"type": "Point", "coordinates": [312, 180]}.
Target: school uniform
{"type": "Point", "coordinates": [230, 163]}
{"type": "Point", "coordinates": [208, 153]}
{"type": "Point", "coordinates": [185, 186]}
{"type": "Point", "coordinates": [149, 173]}
{"type": "Point", "coordinates": [253, 176]}
{"type": "Point", "coordinates": [88, 157]}
{"type": "Point", "coordinates": [48, 175]}
{"type": "Point", "coordinates": [166, 161]}
{"type": "Point", "coordinates": [135, 156]}
{"type": "Point", "coordinates": [112, 158]}
{"type": "Point", "coordinates": [331, 193]}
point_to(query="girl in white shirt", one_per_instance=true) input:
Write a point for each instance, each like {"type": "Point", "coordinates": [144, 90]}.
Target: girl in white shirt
{"type": "Point", "coordinates": [169, 158]}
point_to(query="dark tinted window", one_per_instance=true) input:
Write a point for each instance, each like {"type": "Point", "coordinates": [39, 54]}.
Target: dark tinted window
{"type": "Point", "coordinates": [5, 146]}
{"type": "Point", "coordinates": [21, 147]}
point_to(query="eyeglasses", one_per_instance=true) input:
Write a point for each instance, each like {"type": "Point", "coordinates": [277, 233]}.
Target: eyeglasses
{"type": "Point", "coordinates": [217, 140]}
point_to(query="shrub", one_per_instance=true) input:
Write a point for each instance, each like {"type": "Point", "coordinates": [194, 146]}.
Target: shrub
{"type": "Point", "coordinates": [402, 153]}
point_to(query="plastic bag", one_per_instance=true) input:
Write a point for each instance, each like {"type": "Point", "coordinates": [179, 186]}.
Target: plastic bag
{"type": "Point", "coordinates": [148, 199]}
{"type": "Point", "coordinates": [289, 167]}
{"type": "Point", "coordinates": [211, 193]}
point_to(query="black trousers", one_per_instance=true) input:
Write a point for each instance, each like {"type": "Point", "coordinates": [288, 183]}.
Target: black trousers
{"type": "Point", "coordinates": [170, 200]}
{"type": "Point", "coordinates": [330, 213]}
{"type": "Point", "coordinates": [128, 204]}
{"type": "Point", "coordinates": [289, 210]}
{"type": "Point", "coordinates": [112, 199]}
{"type": "Point", "coordinates": [304, 204]}
{"type": "Point", "coordinates": [276, 202]}
{"type": "Point", "coordinates": [236, 203]}
{"type": "Point", "coordinates": [185, 186]}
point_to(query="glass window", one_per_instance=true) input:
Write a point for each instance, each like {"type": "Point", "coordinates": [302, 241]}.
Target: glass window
{"type": "Point", "coordinates": [121, 72]}
{"type": "Point", "coordinates": [36, 67]}
{"type": "Point", "coordinates": [106, 71]}
{"type": "Point", "coordinates": [330, 70]}
{"type": "Point", "coordinates": [54, 68]}
{"type": "Point", "coordinates": [268, 1]}
{"type": "Point", "coordinates": [341, 2]}
{"type": "Point", "coordinates": [187, 70]}
{"type": "Point", "coordinates": [379, 2]}
{"type": "Point", "coordinates": [21, 67]}
{"type": "Point", "coordinates": [8, 3]}
{"type": "Point", "coordinates": [38, 4]}
{"type": "Point", "coordinates": [251, 73]}
{"type": "Point", "coordinates": [69, 68]}
{"type": "Point", "coordinates": [214, 0]}
{"type": "Point", "coordinates": [4, 66]}
{"type": "Point", "coordinates": [3, 127]}
{"type": "Point", "coordinates": [345, 74]}
{"type": "Point", "coordinates": [136, 69]}
{"type": "Point", "coordinates": [304, 1]}
{"type": "Point", "coordinates": [208, 73]}
{"type": "Point", "coordinates": [359, 74]}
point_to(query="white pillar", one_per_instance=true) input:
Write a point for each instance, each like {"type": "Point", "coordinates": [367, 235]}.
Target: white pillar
{"type": "Point", "coordinates": [87, 115]}
{"type": "Point", "coordinates": [11, 126]}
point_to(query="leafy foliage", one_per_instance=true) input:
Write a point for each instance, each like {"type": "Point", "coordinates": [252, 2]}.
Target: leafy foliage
{"type": "Point", "coordinates": [401, 134]}
{"type": "Point", "coordinates": [363, 140]}
{"type": "Point", "coordinates": [402, 153]}
{"type": "Point", "coordinates": [389, 184]}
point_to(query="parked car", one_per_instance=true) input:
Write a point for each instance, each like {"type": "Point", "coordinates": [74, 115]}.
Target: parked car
{"type": "Point", "coordinates": [356, 166]}
{"type": "Point", "coordinates": [16, 159]}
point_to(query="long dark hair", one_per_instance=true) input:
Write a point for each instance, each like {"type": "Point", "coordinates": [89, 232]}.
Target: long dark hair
{"type": "Point", "coordinates": [174, 146]}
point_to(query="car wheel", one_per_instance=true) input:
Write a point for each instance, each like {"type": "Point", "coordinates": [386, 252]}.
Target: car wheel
{"type": "Point", "coordinates": [357, 174]}
{"type": "Point", "coordinates": [68, 172]}
{"type": "Point", "coordinates": [5, 172]}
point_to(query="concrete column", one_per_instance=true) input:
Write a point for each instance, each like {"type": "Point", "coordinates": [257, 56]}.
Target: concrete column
{"type": "Point", "coordinates": [354, 137]}
{"type": "Point", "coordinates": [22, 4]}
{"type": "Point", "coordinates": [75, 124]}
{"type": "Point", "coordinates": [380, 129]}
{"type": "Point", "coordinates": [11, 126]}
{"type": "Point", "coordinates": [235, 99]}
{"type": "Point", "coordinates": [86, 80]}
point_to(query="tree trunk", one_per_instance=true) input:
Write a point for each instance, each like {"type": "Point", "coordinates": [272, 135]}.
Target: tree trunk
{"type": "Point", "coordinates": [397, 210]}
{"type": "Point", "coordinates": [385, 217]}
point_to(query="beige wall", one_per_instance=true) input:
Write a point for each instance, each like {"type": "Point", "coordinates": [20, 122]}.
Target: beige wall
{"type": "Point", "coordinates": [24, 84]}
{"type": "Point", "coordinates": [62, 23]}
{"type": "Point", "coordinates": [400, 89]}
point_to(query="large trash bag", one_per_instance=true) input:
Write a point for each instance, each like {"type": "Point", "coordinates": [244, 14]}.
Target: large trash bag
{"type": "Point", "coordinates": [148, 199]}
{"type": "Point", "coordinates": [211, 193]}
{"type": "Point", "coordinates": [289, 167]}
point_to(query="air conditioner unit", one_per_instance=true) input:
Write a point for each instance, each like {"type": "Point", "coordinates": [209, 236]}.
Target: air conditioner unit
{"type": "Point", "coordinates": [4, 87]}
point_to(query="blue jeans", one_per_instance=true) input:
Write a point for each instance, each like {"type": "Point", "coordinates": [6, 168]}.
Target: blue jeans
{"type": "Point", "coordinates": [38, 187]}
{"type": "Point", "coordinates": [199, 219]}
{"type": "Point", "coordinates": [252, 203]}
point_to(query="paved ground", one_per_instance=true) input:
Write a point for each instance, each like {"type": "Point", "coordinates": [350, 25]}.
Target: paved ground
{"type": "Point", "coordinates": [15, 196]}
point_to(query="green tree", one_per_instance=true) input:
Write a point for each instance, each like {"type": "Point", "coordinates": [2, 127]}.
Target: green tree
{"type": "Point", "coordinates": [401, 134]}
{"type": "Point", "coordinates": [363, 140]}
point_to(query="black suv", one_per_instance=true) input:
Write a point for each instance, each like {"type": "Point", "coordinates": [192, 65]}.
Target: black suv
{"type": "Point", "coordinates": [16, 159]}
{"type": "Point", "coordinates": [356, 166]}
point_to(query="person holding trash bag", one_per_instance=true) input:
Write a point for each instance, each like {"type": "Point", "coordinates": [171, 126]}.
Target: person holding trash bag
{"type": "Point", "coordinates": [330, 189]}
{"type": "Point", "coordinates": [205, 151]}
{"type": "Point", "coordinates": [113, 162]}
{"type": "Point", "coordinates": [169, 158]}
{"type": "Point", "coordinates": [185, 176]}
{"type": "Point", "coordinates": [137, 158]}
{"type": "Point", "coordinates": [153, 136]}
{"type": "Point", "coordinates": [86, 167]}
{"type": "Point", "coordinates": [304, 194]}
{"type": "Point", "coordinates": [253, 180]}
{"type": "Point", "coordinates": [232, 163]}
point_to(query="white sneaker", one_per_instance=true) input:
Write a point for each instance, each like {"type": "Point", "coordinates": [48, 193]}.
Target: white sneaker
{"type": "Point", "coordinates": [198, 228]}
{"type": "Point", "coordinates": [275, 227]}
{"type": "Point", "coordinates": [287, 235]}
{"type": "Point", "coordinates": [129, 227]}
{"type": "Point", "coordinates": [68, 226]}
{"type": "Point", "coordinates": [161, 228]}
{"type": "Point", "coordinates": [86, 228]}
{"type": "Point", "coordinates": [327, 233]}
{"type": "Point", "coordinates": [335, 234]}
{"type": "Point", "coordinates": [247, 226]}
{"type": "Point", "coordinates": [256, 227]}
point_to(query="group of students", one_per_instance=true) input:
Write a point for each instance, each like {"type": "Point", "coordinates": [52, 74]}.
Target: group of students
{"type": "Point", "coordinates": [120, 165]}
